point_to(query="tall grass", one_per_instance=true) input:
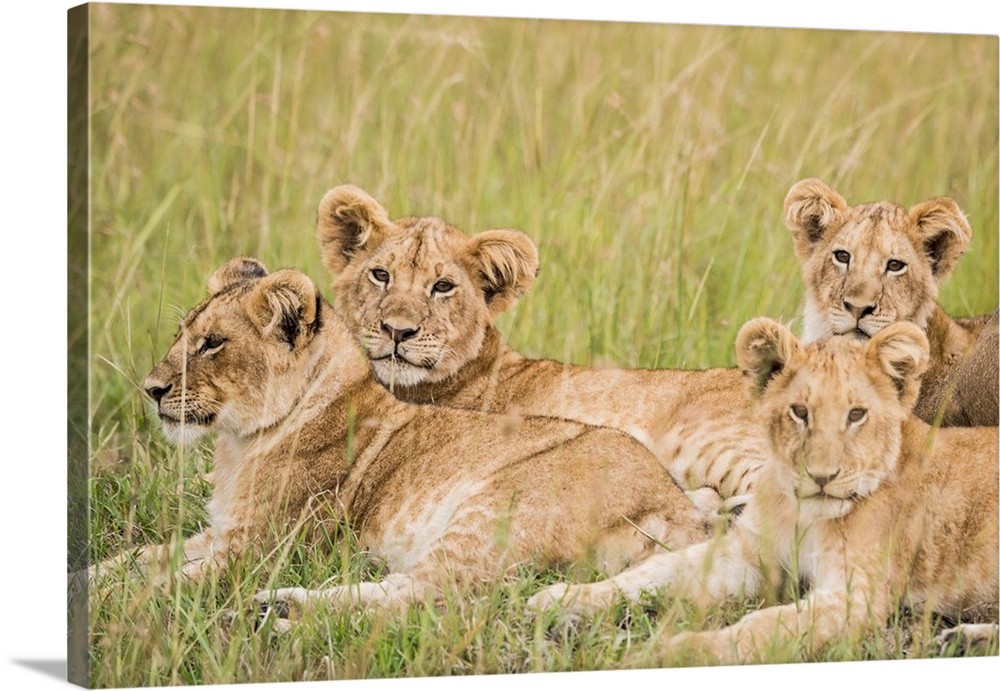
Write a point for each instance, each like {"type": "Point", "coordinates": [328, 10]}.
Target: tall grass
{"type": "Point", "coordinates": [649, 164]}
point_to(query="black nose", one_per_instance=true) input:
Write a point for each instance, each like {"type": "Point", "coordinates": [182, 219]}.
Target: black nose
{"type": "Point", "coordinates": [822, 480]}
{"type": "Point", "coordinates": [399, 335]}
{"type": "Point", "coordinates": [157, 392]}
{"type": "Point", "coordinates": [859, 311]}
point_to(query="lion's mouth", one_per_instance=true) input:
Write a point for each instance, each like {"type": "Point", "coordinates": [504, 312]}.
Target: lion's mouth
{"type": "Point", "coordinates": [399, 360]}
{"type": "Point", "coordinates": [190, 418]}
{"type": "Point", "coordinates": [857, 332]}
{"type": "Point", "coordinates": [821, 495]}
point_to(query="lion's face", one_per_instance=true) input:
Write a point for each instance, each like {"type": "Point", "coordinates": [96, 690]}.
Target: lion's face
{"type": "Point", "coordinates": [418, 294]}
{"type": "Point", "coordinates": [236, 354]}
{"type": "Point", "coordinates": [870, 265]}
{"type": "Point", "coordinates": [833, 409]}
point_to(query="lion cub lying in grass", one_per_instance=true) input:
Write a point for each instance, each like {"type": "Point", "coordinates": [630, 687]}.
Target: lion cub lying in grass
{"type": "Point", "coordinates": [306, 435]}
{"type": "Point", "coordinates": [867, 503]}
{"type": "Point", "coordinates": [422, 297]}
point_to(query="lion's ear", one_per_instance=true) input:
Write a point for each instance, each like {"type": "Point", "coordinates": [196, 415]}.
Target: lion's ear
{"type": "Point", "coordinates": [901, 351]}
{"type": "Point", "coordinates": [286, 304]}
{"type": "Point", "coordinates": [349, 221]}
{"type": "Point", "coordinates": [507, 262]}
{"type": "Point", "coordinates": [811, 208]}
{"type": "Point", "coordinates": [763, 348]}
{"type": "Point", "coordinates": [944, 231]}
{"type": "Point", "coordinates": [235, 271]}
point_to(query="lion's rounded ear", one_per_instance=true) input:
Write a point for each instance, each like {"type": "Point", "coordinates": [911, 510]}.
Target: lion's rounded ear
{"type": "Point", "coordinates": [348, 222]}
{"type": "Point", "coordinates": [507, 262]}
{"type": "Point", "coordinates": [944, 231]}
{"type": "Point", "coordinates": [811, 209]}
{"type": "Point", "coordinates": [235, 271]}
{"type": "Point", "coordinates": [763, 348]}
{"type": "Point", "coordinates": [286, 304]}
{"type": "Point", "coordinates": [901, 350]}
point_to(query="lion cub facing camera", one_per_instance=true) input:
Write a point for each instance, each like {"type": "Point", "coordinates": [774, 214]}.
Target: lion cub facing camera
{"type": "Point", "coordinates": [306, 434]}
{"type": "Point", "coordinates": [865, 502]}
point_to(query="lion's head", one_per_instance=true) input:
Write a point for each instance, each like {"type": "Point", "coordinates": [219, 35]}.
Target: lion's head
{"type": "Point", "coordinates": [419, 293]}
{"type": "Point", "coordinates": [833, 409]}
{"type": "Point", "coordinates": [237, 361]}
{"type": "Point", "coordinates": [870, 265]}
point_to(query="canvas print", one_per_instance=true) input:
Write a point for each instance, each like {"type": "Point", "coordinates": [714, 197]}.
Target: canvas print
{"type": "Point", "coordinates": [414, 346]}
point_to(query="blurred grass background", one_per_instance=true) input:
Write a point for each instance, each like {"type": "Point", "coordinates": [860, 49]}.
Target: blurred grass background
{"type": "Point", "coordinates": [648, 162]}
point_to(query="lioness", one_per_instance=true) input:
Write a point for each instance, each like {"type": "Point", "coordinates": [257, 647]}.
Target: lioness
{"type": "Point", "coordinates": [863, 500]}
{"type": "Point", "coordinates": [306, 434]}
{"type": "Point", "coordinates": [870, 265]}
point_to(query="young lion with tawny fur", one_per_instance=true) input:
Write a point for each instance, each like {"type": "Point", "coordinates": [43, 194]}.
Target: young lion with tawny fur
{"type": "Point", "coordinates": [860, 499]}
{"type": "Point", "coordinates": [307, 436]}
{"type": "Point", "coordinates": [422, 298]}
{"type": "Point", "coordinates": [870, 265]}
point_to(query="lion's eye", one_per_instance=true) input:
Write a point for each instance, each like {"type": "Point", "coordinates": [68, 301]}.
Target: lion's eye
{"type": "Point", "coordinates": [211, 342]}
{"type": "Point", "coordinates": [842, 257]}
{"type": "Point", "coordinates": [380, 276]}
{"type": "Point", "coordinates": [856, 415]}
{"type": "Point", "coordinates": [799, 413]}
{"type": "Point", "coordinates": [894, 266]}
{"type": "Point", "coordinates": [444, 286]}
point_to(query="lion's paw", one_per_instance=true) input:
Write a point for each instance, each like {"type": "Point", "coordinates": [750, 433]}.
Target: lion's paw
{"type": "Point", "coordinates": [966, 638]}
{"type": "Point", "coordinates": [548, 598]}
{"type": "Point", "coordinates": [281, 607]}
{"type": "Point", "coordinates": [696, 648]}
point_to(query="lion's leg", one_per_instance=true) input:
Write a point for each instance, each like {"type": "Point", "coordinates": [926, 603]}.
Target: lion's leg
{"type": "Point", "coordinates": [965, 636]}
{"type": "Point", "coordinates": [812, 622]}
{"type": "Point", "coordinates": [707, 572]}
{"type": "Point", "coordinates": [395, 591]}
{"type": "Point", "coordinates": [198, 551]}
{"type": "Point", "coordinates": [464, 554]}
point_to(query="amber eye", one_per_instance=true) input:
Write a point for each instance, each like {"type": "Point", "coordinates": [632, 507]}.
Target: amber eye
{"type": "Point", "coordinates": [799, 413]}
{"type": "Point", "coordinates": [380, 275]}
{"type": "Point", "coordinates": [211, 342]}
{"type": "Point", "coordinates": [443, 286]}
{"type": "Point", "coordinates": [894, 266]}
{"type": "Point", "coordinates": [842, 257]}
{"type": "Point", "coordinates": [856, 415]}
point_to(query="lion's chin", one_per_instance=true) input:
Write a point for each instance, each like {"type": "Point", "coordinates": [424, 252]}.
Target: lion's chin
{"type": "Point", "coordinates": [184, 433]}
{"type": "Point", "coordinates": [400, 373]}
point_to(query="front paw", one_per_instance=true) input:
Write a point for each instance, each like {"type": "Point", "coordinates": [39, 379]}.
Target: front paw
{"type": "Point", "coordinates": [281, 607]}
{"type": "Point", "coordinates": [968, 638]}
{"type": "Point", "coordinates": [585, 600]}
{"type": "Point", "coordinates": [548, 598]}
{"type": "Point", "coordinates": [697, 648]}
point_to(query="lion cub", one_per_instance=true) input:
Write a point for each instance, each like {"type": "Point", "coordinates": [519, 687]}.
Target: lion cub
{"type": "Point", "coordinates": [860, 498]}
{"type": "Point", "coordinates": [869, 265]}
{"type": "Point", "coordinates": [422, 298]}
{"type": "Point", "coordinates": [306, 435]}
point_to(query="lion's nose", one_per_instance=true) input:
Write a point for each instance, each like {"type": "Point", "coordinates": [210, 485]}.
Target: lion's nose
{"type": "Point", "coordinates": [859, 311]}
{"type": "Point", "coordinates": [398, 335]}
{"type": "Point", "coordinates": [822, 480]}
{"type": "Point", "coordinates": [157, 390]}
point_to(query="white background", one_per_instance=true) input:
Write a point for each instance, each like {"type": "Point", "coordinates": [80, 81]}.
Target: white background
{"type": "Point", "coordinates": [33, 398]}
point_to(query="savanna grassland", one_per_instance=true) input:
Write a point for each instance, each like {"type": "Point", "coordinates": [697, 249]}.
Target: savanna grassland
{"type": "Point", "coordinates": [648, 163]}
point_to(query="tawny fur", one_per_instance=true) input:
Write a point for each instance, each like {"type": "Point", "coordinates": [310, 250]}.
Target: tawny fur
{"type": "Point", "coordinates": [862, 500]}
{"type": "Point", "coordinates": [870, 291]}
{"type": "Point", "coordinates": [306, 436]}
{"type": "Point", "coordinates": [441, 346]}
